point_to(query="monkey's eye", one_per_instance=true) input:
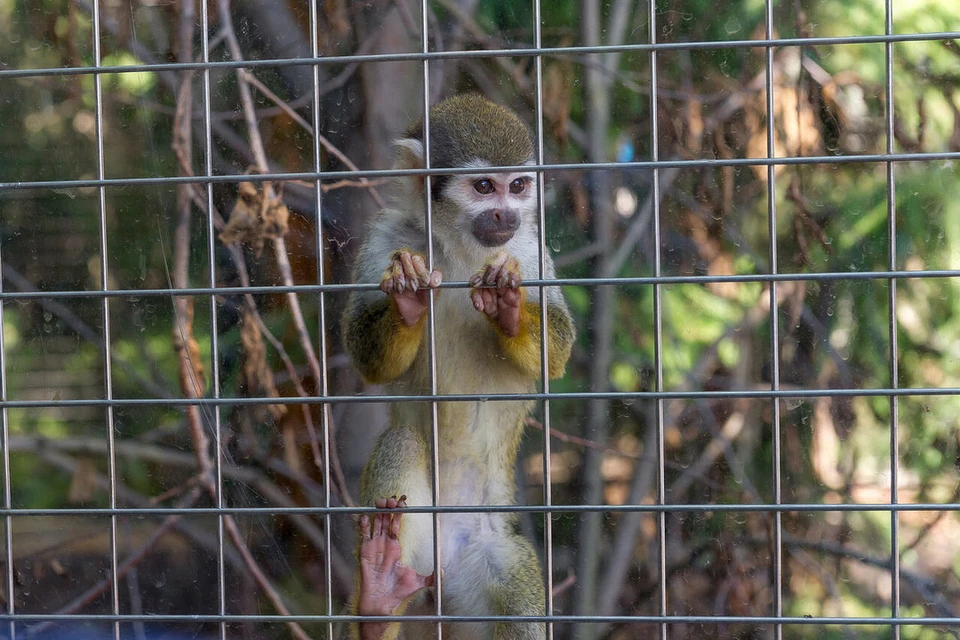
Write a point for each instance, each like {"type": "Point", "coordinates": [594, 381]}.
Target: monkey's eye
{"type": "Point", "coordinates": [518, 185]}
{"type": "Point", "coordinates": [484, 186]}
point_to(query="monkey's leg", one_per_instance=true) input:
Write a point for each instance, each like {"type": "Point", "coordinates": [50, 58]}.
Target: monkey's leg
{"type": "Point", "coordinates": [385, 583]}
{"type": "Point", "coordinates": [519, 591]}
{"type": "Point", "coordinates": [399, 466]}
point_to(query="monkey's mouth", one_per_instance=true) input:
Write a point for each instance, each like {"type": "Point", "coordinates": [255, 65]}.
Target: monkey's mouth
{"type": "Point", "coordinates": [493, 238]}
{"type": "Point", "coordinates": [494, 227]}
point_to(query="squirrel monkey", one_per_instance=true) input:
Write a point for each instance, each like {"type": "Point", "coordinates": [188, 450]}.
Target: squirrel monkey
{"type": "Point", "coordinates": [487, 342]}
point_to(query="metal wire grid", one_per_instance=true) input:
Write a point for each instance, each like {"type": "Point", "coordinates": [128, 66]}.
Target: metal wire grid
{"type": "Point", "coordinates": [774, 395]}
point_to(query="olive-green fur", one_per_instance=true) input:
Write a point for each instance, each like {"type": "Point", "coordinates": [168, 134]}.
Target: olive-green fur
{"type": "Point", "coordinates": [560, 336]}
{"type": "Point", "coordinates": [524, 349]}
{"type": "Point", "coordinates": [370, 337]}
{"type": "Point", "coordinates": [398, 450]}
{"type": "Point", "coordinates": [469, 127]}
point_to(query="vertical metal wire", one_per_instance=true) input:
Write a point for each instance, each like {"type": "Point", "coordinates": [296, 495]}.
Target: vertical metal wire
{"type": "Point", "coordinates": [431, 318]}
{"type": "Point", "coordinates": [774, 332]}
{"type": "Point", "coordinates": [658, 327]}
{"type": "Point", "coordinates": [777, 533]}
{"type": "Point", "coordinates": [892, 311]}
{"type": "Point", "coordinates": [7, 484]}
{"type": "Point", "coordinates": [105, 309]}
{"type": "Point", "coordinates": [323, 383]}
{"type": "Point", "coordinates": [544, 351]}
{"type": "Point", "coordinates": [214, 339]}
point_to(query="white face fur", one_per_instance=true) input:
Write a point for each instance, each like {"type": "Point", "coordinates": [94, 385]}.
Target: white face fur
{"type": "Point", "coordinates": [491, 207]}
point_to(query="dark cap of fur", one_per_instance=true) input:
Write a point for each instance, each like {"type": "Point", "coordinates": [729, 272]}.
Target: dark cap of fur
{"type": "Point", "coordinates": [469, 127]}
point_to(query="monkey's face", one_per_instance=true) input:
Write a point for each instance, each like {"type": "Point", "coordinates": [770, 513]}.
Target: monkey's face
{"type": "Point", "coordinates": [490, 207]}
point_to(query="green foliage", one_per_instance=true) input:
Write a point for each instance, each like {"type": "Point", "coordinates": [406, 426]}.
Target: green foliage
{"type": "Point", "coordinates": [828, 218]}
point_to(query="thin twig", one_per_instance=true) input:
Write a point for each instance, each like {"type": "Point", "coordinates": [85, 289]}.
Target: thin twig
{"type": "Point", "coordinates": [283, 264]}
{"type": "Point", "coordinates": [279, 243]}
{"type": "Point", "coordinates": [339, 482]}
{"type": "Point", "coordinates": [583, 442]}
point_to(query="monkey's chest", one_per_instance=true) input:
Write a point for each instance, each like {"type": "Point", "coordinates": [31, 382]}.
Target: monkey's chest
{"type": "Point", "coordinates": [469, 357]}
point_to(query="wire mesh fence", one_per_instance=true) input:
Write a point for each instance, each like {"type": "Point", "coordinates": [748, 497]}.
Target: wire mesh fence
{"type": "Point", "coordinates": [753, 212]}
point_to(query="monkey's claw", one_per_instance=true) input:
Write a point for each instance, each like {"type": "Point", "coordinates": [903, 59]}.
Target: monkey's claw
{"type": "Point", "coordinates": [502, 271]}
{"type": "Point", "coordinates": [408, 272]}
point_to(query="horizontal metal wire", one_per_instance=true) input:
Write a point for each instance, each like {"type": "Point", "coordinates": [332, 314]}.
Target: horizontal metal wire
{"type": "Point", "coordinates": [798, 507]}
{"type": "Point", "coordinates": [485, 53]}
{"type": "Point", "coordinates": [830, 276]}
{"type": "Point", "coordinates": [324, 176]}
{"type": "Point", "coordinates": [639, 619]}
{"type": "Point", "coordinates": [625, 396]}
{"type": "Point", "coordinates": [578, 52]}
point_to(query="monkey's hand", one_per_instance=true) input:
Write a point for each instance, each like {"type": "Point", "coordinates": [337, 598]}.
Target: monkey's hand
{"type": "Point", "coordinates": [502, 303]}
{"type": "Point", "coordinates": [385, 583]}
{"type": "Point", "coordinates": [407, 281]}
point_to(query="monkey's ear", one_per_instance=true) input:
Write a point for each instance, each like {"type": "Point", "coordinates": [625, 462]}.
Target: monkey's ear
{"type": "Point", "coordinates": [410, 156]}
{"type": "Point", "coordinates": [409, 153]}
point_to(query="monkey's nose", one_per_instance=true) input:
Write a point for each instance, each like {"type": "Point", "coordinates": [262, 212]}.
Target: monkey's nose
{"type": "Point", "coordinates": [494, 227]}
{"type": "Point", "coordinates": [506, 218]}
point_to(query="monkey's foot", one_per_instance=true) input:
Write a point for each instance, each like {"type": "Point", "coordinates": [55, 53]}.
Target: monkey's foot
{"type": "Point", "coordinates": [501, 303]}
{"type": "Point", "coordinates": [407, 281]}
{"type": "Point", "coordinates": [385, 583]}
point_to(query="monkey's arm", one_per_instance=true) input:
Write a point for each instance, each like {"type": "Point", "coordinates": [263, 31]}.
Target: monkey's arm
{"type": "Point", "coordinates": [383, 334]}
{"type": "Point", "coordinates": [498, 295]}
{"type": "Point", "coordinates": [378, 340]}
{"type": "Point", "coordinates": [523, 349]}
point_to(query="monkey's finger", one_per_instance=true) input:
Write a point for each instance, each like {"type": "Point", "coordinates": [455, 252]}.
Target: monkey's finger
{"type": "Point", "coordinates": [487, 277]}
{"type": "Point", "coordinates": [386, 280]}
{"type": "Point", "coordinates": [377, 526]}
{"type": "Point", "coordinates": [477, 298]}
{"type": "Point", "coordinates": [408, 269]}
{"type": "Point", "coordinates": [514, 268]}
{"type": "Point", "coordinates": [490, 303]}
{"type": "Point", "coordinates": [480, 298]}
{"type": "Point", "coordinates": [503, 278]}
{"type": "Point", "coordinates": [508, 276]}
{"type": "Point", "coordinates": [364, 527]}
{"type": "Point", "coordinates": [420, 267]}
{"type": "Point", "coordinates": [394, 531]}
{"type": "Point", "coordinates": [509, 298]}
{"type": "Point", "coordinates": [435, 279]}
{"type": "Point", "coordinates": [393, 280]}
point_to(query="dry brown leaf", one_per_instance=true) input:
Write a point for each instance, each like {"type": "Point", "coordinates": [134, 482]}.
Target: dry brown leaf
{"type": "Point", "coordinates": [557, 96]}
{"type": "Point", "coordinates": [256, 372]}
{"type": "Point", "coordinates": [255, 218]}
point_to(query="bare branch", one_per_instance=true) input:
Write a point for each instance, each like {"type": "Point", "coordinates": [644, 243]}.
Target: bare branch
{"type": "Point", "coordinates": [82, 329]}
{"type": "Point", "coordinates": [329, 146]}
